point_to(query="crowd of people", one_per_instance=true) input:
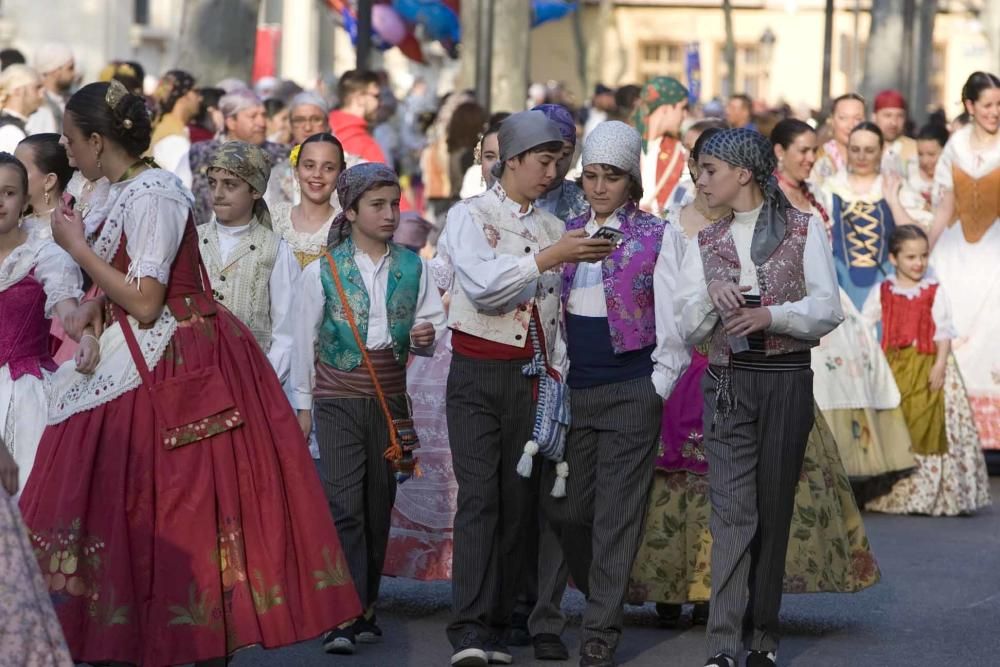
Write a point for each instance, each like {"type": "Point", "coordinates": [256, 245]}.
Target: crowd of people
{"type": "Point", "coordinates": [258, 350]}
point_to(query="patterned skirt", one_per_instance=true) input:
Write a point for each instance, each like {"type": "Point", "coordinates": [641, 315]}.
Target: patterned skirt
{"type": "Point", "coordinates": [828, 550]}
{"type": "Point", "coordinates": [947, 484]}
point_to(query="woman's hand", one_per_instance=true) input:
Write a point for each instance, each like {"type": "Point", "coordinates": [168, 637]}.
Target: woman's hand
{"type": "Point", "coordinates": [67, 229]}
{"type": "Point", "coordinates": [89, 314]}
{"type": "Point", "coordinates": [936, 379]}
{"type": "Point", "coordinates": [892, 183]}
{"type": "Point", "coordinates": [8, 470]}
{"type": "Point", "coordinates": [88, 354]}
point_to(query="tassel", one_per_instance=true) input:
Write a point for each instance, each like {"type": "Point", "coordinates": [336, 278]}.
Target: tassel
{"type": "Point", "coordinates": [524, 465]}
{"type": "Point", "coordinates": [562, 472]}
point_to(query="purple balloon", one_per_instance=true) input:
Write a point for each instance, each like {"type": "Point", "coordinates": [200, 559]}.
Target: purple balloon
{"type": "Point", "coordinates": [388, 24]}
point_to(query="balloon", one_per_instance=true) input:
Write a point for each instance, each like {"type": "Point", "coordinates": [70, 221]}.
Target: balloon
{"type": "Point", "coordinates": [388, 24]}
{"type": "Point", "coordinates": [351, 26]}
{"type": "Point", "coordinates": [543, 11]}
{"type": "Point", "coordinates": [410, 47]}
{"type": "Point", "coordinates": [436, 17]}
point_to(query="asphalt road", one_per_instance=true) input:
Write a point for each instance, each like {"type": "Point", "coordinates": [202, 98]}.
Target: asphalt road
{"type": "Point", "coordinates": [938, 604]}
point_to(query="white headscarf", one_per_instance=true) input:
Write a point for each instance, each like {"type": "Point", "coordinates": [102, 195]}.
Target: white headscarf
{"type": "Point", "coordinates": [616, 144]}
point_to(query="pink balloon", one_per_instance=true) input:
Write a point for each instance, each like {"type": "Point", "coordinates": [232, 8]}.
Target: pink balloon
{"type": "Point", "coordinates": [388, 24]}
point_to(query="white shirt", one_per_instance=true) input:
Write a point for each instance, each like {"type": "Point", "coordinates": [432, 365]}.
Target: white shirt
{"type": "Point", "coordinates": [587, 299]}
{"type": "Point", "coordinates": [281, 285]}
{"type": "Point", "coordinates": [172, 153]}
{"type": "Point", "coordinates": [944, 328]}
{"type": "Point", "coordinates": [10, 134]}
{"type": "Point", "coordinates": [309, 303]}
{"type": "Point", "coordinates": [814, 316]}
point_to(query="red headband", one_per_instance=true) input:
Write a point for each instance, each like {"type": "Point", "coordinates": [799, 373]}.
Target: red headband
{"type": "Point", "coordinates": [890, 99]}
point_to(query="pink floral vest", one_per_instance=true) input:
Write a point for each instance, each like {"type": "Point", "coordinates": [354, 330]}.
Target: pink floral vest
{"type": "Point", "coordinates": [781, 278]}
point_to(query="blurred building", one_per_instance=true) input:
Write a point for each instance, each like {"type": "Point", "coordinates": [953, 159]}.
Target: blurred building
{"type": "Point", "coordinates": [779, 47]}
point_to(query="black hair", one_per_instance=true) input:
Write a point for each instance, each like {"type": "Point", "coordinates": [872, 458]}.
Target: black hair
{"type": "Point", "coordinates": [788, 130]}
{"type": "Point", "coordinates": [868, 126]}
{"type": "Point", "coordinates": [128, 124]}
{"type": "Point", "coordinates": [273, 106]}
{"type": "Point", "coordinates": [49, 156]}
{"type": "Point", "coordinates": [548, 147]}
{"type": "Point", "coordinates": [209, 99]}
{"type": "Point", "coordinates": [626, 96]}
{"type": "Point", "coordinates": [354, 81]}
{"type": "Point", "coordinates": [702, 140]}
{"type": "Point", "coordinates": [844, 98]}
{"type": "Point", "coordinates": [338, 233]}
{"type": "Point", "coordinates": [10, 57]}
{"type": "Point", "coordinates": [902, 234]}
{"type": "Point", "coordinates": [976, 84]}
{"type": "Point", "coordinates": [934, 132]}
{"type": "Point", "coordinates": [492, 127]}
{"type": "Point", "coordinates": [326, 138]}
{"type": "Point", "coordinates": [6, 159]}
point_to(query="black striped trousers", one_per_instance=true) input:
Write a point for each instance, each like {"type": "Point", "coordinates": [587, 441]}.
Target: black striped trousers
{"type": "Point", "coordinates": [359, 482]}
{"type": "Point", "coordinates": [611, 450]}
{"type": "Point", "coordinates": [491, 411]}
{"type": "Point", "coordinates": [755, 455]}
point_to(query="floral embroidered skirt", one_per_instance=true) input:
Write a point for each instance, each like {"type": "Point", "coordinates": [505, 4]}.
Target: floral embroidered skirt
{"type": "Point", "coordinates": [828, 550]}
{"type": "Point", "coordinates": [158, 557]}
{"type": "Point", "coordinates": [871, 442]}
{"type": "Point", "coordinates": [28, 626]}
{"type": "Point", "coordinates": [948, 484]}
{"type": "Point", "coordinates": [420, 539]}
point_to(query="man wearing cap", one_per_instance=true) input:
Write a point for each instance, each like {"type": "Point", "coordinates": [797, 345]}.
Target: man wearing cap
{"type": "Point", "coordinates": [307, 114]}
{"type": "Point", "coordinates": [252, 270]}
{"type": "Point", "coordinates": [56, 65]}
{"type": "Point", "coordinates": [507, 256]}
{"type": "Point", "coordinates": [890, 116]}
{"type": "Point", "coordinates": [662, 108]}
{"type": "Point", "coordinates": [564, 199]}
{"type": "Point", "coordinates": [245, 120]}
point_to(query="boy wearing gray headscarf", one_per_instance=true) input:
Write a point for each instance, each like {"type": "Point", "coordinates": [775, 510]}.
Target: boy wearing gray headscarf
{"type": "Point", "coordinates": [507, 255]}
{"type": "Point", "coordinates": [760, 287]}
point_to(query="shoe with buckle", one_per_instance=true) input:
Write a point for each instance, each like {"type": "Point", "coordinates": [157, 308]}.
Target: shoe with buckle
{"type": "Point", "coordinates": [596, 653]}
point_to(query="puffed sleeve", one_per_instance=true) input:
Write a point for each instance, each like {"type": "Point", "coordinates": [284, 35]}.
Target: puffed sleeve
{"type": "Point", "coordinates": [59, 274]}
{"type": "Point", "coordinates": [154, 226]}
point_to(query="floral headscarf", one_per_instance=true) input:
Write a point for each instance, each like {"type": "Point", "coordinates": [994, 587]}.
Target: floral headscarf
{"type": "Point", "coordinates": [563, 119]}
{"type": "Point", "coordinates": [657, 92]}
{"type": "Point", "coordinates": [252, 164]}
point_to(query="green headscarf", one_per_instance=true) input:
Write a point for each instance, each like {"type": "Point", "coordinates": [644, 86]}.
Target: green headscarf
{"type": "Point", "coordinates": [657, 92]}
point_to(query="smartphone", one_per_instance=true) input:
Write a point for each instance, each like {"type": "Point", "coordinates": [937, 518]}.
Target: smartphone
{"type": "Point", "coordinates": [609, 234]}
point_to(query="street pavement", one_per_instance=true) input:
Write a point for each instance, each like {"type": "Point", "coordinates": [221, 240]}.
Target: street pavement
{"type": "Point", "coordinates": [938, 604]}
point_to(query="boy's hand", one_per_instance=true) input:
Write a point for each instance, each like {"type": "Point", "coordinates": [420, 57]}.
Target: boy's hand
{"type": "Point", "coordinates": [422, 335]}
{"type": "Point", "coordinates": [747, 321]}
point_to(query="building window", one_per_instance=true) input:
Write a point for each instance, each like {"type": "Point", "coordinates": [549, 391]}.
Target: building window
{"type": "Point", "coordinates": [751, 71]}
{"type": "Point", "coordinates": [140, 12]}
{"type": "Point", "coordinates": [661, 59]}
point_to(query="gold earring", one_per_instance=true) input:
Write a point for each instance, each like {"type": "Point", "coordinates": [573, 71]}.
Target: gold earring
{"type": "Point", "coordinates": [98, 156]}
{"type": "Point", "coordinates": [46, 197]}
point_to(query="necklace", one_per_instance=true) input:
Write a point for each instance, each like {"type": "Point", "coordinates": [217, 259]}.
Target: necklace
{"type": "Point", "coordinates": [136, 167]}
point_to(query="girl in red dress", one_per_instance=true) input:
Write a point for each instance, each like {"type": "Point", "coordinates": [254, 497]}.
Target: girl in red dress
{"type": "Point", "coordinates": [172, 488]}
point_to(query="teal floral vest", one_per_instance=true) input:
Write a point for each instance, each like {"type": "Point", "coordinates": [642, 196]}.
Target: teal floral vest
{"type": "Point", "coordinates": [336, 344]}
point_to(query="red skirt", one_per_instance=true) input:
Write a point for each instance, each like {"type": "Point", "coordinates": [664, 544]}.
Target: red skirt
{"type": "Point", "coordinates": [157, 557]}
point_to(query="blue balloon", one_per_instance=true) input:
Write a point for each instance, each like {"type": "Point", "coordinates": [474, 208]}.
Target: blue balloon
{"type": "Point", "coordinates": [438, 19]}
{"type": "Point", "coordinates": [351, 26]}
{"type": "Point", "coordinates": [543, 11]}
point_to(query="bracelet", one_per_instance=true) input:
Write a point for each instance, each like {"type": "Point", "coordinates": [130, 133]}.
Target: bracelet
{"type": "Point", "coordinates": [85, 336]}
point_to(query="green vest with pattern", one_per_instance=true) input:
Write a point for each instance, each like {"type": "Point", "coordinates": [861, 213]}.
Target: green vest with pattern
{"type": "Point", "coordinates": [336, 344]}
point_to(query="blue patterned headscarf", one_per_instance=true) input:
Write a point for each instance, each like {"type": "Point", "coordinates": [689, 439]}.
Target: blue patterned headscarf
{"type": "Point", "coordinates": [351, 185]}
{"type": "Point", "coordinates": [749, 149]}
{"type": "Point", "coordinates": [563, 119]}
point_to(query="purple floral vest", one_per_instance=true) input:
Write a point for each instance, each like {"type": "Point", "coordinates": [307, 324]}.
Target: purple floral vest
{"type": "Point", "coordinates": [781, 278]}
{"type": "Point", "coordinates": [628, 278]}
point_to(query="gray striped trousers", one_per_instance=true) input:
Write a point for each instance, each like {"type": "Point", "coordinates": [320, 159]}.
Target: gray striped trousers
{"type": "Point", "coordinates": [755, 455]}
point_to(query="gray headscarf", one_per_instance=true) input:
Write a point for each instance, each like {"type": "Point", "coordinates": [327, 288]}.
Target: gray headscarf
{"type": "Point", "coordinates": [616, 144]}
{"type": "Point", "coordinates": [751, 150]}
{"type": "Point", "coordinates": [521, 132]}
{"type": "Point", "coordinates": [351, 185]}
